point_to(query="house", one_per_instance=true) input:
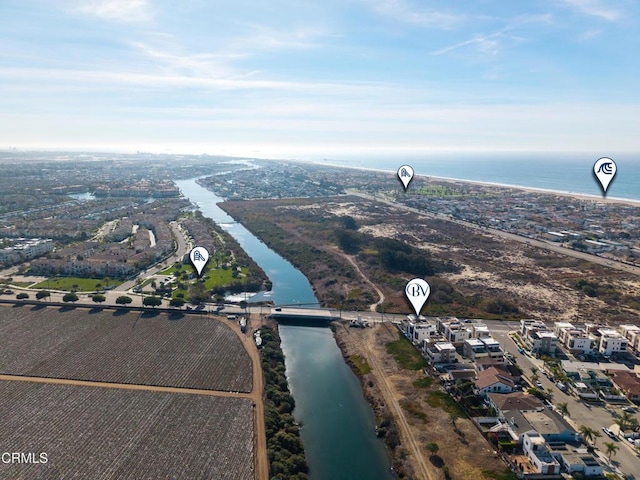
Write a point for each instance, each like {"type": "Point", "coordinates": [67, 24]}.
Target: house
{"type": "Point", "coordinates": [474, 349]}
{"type": "Point", "coordinates": [535, 448]}
{"type": "Point", "coordinates": [611, 342]}
{"type": "Point", "coordinates": [628, 383]}
{"type": "Point", "coordinates": [631, 333]}
{"type": "Point", "coordinates": [439, 352]}
{"type": "Point", "coordinates": [503, 403]}
{"type": "Point", "coordinates": [493, 380]}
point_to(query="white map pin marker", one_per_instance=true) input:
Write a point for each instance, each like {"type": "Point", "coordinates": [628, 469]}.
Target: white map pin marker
{"type": "Point", "coordinates": [199, 257]}
{"type": "Point", "coordinates": [417, 291]}
{"type": "Point", "coordinates": [605, 170]}
{"type": "Point", "coordinates": [405, 174]}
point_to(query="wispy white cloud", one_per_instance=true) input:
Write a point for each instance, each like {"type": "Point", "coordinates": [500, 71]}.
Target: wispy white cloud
{"type": "Point", "coordinates": [596, 8]}
{"type": "Point", "coordinates": [403, 11]}
{"type": "Point", "coordinates": [182, 63]}
{"type": "Point", "coordinates": [117, 10]}
{"type": "Point", "coordinates": [486, 44]}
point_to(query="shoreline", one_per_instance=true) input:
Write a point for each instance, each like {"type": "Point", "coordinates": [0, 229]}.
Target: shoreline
{"type": "Point", "coordinates": [564, 193]}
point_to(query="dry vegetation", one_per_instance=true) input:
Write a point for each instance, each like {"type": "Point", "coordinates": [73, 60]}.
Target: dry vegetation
{"type": "Point", "coordinates": [123, 347]}
{"type": "Point", "coordinates": [497, 278]}
{"type": "Point", "coordinates": [90, 432]}
{"type": "Point", "coordinates": [431, 415]}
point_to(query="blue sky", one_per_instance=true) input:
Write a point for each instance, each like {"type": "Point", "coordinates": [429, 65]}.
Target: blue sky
{"type": "Point", "coordinates": [317, 78]}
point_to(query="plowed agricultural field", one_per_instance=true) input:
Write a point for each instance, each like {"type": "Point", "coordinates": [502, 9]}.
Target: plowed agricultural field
{"type": "Point", "coordinates": [109, 434]}
{"type": "Point", "coordinates": [187, 351]}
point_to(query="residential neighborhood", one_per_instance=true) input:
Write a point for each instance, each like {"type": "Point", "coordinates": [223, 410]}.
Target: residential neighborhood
{"type": "Point", "coordinates": [526, 420]}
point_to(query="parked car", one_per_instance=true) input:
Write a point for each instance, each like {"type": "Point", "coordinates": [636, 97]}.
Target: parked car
{"type": "Point", "coordinates": [609, 432]}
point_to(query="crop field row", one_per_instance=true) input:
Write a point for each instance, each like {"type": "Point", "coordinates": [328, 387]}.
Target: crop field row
{"type": "Point", "coordinates": [101, 433]}
{"type": "Point", "coordinates": [148, 348]}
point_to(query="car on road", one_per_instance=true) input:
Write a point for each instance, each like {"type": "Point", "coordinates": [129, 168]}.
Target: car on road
{"type": "Point", "coordinates": [609, 432]}
{"type": "Point", "coordinates": [629, 409]}
{"type": "Point", "coordinates": [539, 384]}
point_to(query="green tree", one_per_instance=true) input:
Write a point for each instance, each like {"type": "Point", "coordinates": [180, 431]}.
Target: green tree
{"type": "Point", "coordinates": [70, 297]}
{"type": "Point", "coordinates": [152, 301]}
{"type": "Point", "coordinates": [596, 435]}
{"type": "Point", "coordinates": [563, 408]}
{"type": "Point", "coordinates": [534, 374]}
{"type": "Point", "coordinates": [198, 293]}
{"type": "Point", "coordinates": [97, 298]}
{"type": "Point", "coordinates": [42, 294]}
{"type": "Point", "coordinates": [177, 302]}
{"type": "Point", "coordinates": [433, 448]}
{"type": "Point", "coordinates": [611, 449]}
{"type": "Point", "coordinates": [123, 300]}
{"type": "Point", "coordinates": [587, 433]}
{"type": "Point", "coordinates": [624, 420]}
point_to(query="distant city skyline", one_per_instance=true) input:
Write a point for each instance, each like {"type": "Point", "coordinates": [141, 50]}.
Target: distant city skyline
{"type": "Point", "coordinates": [320, 78]}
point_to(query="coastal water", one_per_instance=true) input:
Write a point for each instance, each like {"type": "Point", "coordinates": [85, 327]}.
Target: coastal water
{"type": "Point", "coordinates": [338, 424]}
{"type": "Point", "coordinates": [563, 172]}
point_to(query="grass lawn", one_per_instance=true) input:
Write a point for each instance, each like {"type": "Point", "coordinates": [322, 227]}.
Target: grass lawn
{"type": "Point", "coordinates": [220, 277]}
{"type": "Point", "coordinates": [75, 283]}
{"type": "Point", "coordinates": [21, 284]}
{"type": "Point", "coordinates": [406, 355]}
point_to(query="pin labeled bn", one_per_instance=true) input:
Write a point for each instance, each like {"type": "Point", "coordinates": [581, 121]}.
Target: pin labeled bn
{"type": "Point", "coordinates": [405, 174]}
{"type": "Point", "coordinates": [605, 169]}
{"type": "Point", "coordinates": [199, 257]}
{"type": "Point", "coordinates": [417, 291]}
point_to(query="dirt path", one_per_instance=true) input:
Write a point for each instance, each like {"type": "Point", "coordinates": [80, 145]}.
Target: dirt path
{"type": "Point", "coordinates": [373, 307]}
{"type": "Point", "coordinates": [126, 386]}
{"type": "Point", "coordinates": [390, 396]}
{"type": "Point", "coordinates": [261, 459]}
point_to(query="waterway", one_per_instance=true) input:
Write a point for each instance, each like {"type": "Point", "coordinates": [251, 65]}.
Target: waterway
{"type": "Point", "coordinates": [338, 424]}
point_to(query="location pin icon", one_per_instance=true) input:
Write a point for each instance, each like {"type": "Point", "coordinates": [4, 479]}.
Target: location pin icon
{"type": "Point", "coordinates": [199, 257]}
{"type": "Point", "coordinates": [605, 169]}
{"type": "Point", "coordinates": [405, 174]}
{"type": "Point", "coordinates": [417, 291]}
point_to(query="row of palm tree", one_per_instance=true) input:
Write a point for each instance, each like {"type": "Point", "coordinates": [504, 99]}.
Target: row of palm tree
{"type": "Point", "coordinates": [591, 435]}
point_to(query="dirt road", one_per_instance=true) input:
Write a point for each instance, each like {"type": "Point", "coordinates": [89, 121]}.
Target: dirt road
{"type": "Point", "coordinates": [366, 346]}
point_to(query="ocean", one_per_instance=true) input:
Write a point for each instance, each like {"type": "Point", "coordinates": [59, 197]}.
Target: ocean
{"type": "Point", "coordinates": [563, 172]}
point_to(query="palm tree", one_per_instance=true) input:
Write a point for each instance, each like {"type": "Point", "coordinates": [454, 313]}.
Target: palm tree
{"type": "Point", "coordinates": [534, 374]}
{"type": "Point", "coordinates": [563, 409]}
{"type": "Point", "coordinates": [612, 449]}
{"type": "Point", "coordinates": [587, 433]}
{"type": "Point", "coordinates": [624, 420]}
{"type": "Point", "coordinates": [596, 434]}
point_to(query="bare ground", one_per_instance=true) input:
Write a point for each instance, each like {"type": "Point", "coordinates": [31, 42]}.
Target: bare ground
{"type": "Point", "coordinates": [390, 391]}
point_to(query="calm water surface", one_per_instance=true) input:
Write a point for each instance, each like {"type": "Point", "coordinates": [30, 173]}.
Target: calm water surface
{"type": "Point", "coordinates": [338, 424]}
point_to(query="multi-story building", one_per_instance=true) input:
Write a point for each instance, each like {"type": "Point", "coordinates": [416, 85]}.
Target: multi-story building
{"type": "Point", "coordinates": [631, 333]}
{"type": "Point", "coordinates": [611, 342]}
{"type": "Point", "coordinates": [438, 352]}
{"type": "Point", "coordinates": [24, 249]}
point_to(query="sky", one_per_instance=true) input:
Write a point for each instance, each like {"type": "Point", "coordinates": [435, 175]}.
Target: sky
{"type": "Point", "coordinates": [320, 77]}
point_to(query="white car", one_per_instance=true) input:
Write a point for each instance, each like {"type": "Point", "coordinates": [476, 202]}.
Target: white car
{"type": "Point", "coordinates": [609, 432]}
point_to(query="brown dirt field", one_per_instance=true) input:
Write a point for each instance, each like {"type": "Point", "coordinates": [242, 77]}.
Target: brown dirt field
{"type": "Point", "coordinates": [390, 391]}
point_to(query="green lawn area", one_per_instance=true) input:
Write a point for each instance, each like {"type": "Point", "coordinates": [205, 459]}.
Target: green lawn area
{"type": "Point", "coordinates": [406, 355]}
{"type": "Point", "coordinates": [21, 284]}
{"type": "Point", "coordinates": [217, 277]}
{"type": "Point", "coordinates": [75, 283]}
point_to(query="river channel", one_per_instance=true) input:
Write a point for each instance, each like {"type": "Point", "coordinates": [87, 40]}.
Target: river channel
{"type": "Point", "coordinates": [338, 425]}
